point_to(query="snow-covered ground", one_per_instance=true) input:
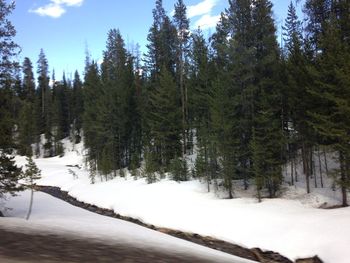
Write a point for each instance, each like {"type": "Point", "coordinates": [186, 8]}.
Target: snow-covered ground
{"type": "Point", "coordinates": [291, 226]}
{"type": "Point", "coordinates": [55, 216]}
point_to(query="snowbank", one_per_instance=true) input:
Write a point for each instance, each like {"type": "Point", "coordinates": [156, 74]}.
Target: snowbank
{"type": "Point", "coordinates": [292, 226]}
{"type": "Point", "coordinates": [51, 215]}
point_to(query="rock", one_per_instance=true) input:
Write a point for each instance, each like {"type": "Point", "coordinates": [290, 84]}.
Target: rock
{"type": "Point", "coordinates": [315, 259]}
{"type": "Point", "coordinates": [269, 256]}
{"type": "Point", "coordinates": [1, 214]}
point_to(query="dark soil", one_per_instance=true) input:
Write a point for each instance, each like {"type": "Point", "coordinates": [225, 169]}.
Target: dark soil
{"type": "Point", "coordinates": [252, 254]}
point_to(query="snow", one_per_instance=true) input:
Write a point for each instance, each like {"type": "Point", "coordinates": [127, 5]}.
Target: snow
{"type": "Point", "coordinates": [292, 226]}
{"type": "Point", "coordinates": [51, 215]}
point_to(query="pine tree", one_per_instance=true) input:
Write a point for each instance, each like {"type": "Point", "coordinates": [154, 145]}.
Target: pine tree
{"type": "Point", "coordinates": [154, 57]}
{"type": "Point", "coordinates": [9, 175]}
{"type": "Point", "coordinates": [65, 119]}
{"type": "Point", "coordinates": [225, 139]}
{"type": "Point", "coordinates": [43, 103]}
{"type": "Point", "coordinates": [165, 119]}
{"type": "Point", "coordinates": [199, 102]}
{"type": "Point", "coordinates": [179, 170]}
{"type": "Point", "coordinates": [267, 96]}
{"type": "Point", "coordinates": [9, 49]}
{"type": "Point", "coordinates": [26, 124]}
{"type": "Point", "coordinates": [77, 108]}
{"type": "Point", "coordinates": [118, 83]}
{"type": "Point", "coordinates": [298, 80]}
{"type": "Point", "coordinates": [333, 123]}
{"type": "Point", "coordinates": [317, 12]}
{"type": "Point", "coordinates": [92, 92]}
{"type": "Point", "coordinates": [31, 174]}
{"type": "Point", "coordinates": [242, 56]}
{"type": "Point", "coordinates": [161, 68]}
{"type": "Point", "coordinates": [220, 43]}
{"type": "Point", "coordinates": [28, 81]}
{"type": "Point", "coordinates": [9, 172]}
{"type": "Point", "coordinates": [60, 113]}
{"type": "Point", "coordinates": [182, 26]}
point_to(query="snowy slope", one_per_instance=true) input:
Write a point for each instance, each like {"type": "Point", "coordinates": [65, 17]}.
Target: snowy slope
{"type": "Point", "coordinates": [290, 226]}
{"type": "Point", "coordinates": [53, 215]}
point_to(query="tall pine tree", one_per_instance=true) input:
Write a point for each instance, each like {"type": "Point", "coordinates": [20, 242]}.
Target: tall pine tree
{"type": "Point", "coordinates": [9, 172]}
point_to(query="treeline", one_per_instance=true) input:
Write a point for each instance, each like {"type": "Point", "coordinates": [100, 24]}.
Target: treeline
{"type": "Point", "coordinates": [242, 102]}
{"type": "Point", "coordinates": [47, 112]}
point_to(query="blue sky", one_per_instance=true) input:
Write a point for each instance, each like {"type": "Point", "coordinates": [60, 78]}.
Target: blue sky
{"type": "Point", "coordinates": [63, 28]}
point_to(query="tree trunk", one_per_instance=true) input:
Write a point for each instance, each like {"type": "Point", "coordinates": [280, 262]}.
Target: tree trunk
{"type": "Point", "coordinates": [230, 195]}
{"type": "Point", "coordinates": [303, 155]}
{"type": "Point", "coordinates": [183, 101]}
{"type": "Point", "coordinates": [295, 170]}
{"type": "Point", "coordinates": [343, 180]}
{"type": "Point", "coordinates": [306, 163]}
{"type": "Point", "coordinates": [259, 195]}
{"type": "Point", "coordinates": [31, 202]}
{"type": "Point", "coordinates": [292, 170]}
{"type": "Point", "coordinates": [206, 166]}
{"type": "Point", "coordinates": [311, 162]}
{"type": "Point", "coordinates": [246, 185]}
{"type": "Point", "coordinates": [320, 165]}
{"type": "Point", "coordinates": [326, 167]}
{"type": "Point", "coordinates": [314, 169]}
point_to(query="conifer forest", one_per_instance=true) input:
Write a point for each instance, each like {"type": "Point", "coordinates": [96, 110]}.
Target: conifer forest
{"type": "Point", "coordinates": [245, 101]}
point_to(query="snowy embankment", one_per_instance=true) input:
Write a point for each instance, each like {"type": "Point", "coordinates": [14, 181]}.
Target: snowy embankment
{"type": "Point", "coordinates": [290, 226]}
{"type": "Point", "coordinates": [53, 216]}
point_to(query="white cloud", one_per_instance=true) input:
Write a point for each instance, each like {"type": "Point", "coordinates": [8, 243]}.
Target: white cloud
{"type": "Point", "coordinates": [203, 8]}
{"type": "Point", "coordinates": [56, 8]}
{"type": "Point", "coordinates": [207, 21]}
{"type": "Point", "coordinates": [69, 2]}
{"type": "Point", "coordinates": [52, 10]}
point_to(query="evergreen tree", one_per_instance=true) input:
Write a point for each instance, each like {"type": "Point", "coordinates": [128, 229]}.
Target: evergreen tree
{"type": "Point", "coordinates": [298, 79]}
{"type": "Point", "coordinates": [218, 126]}
{"type": "Point", "coordinates": [9, 175]}
{"type": "Point", "coordinates": [9, 172]}
{"type": "Point", "coordinates": [154, 59]}
{"type": "Point", "coordinates": [26, 124]}
{"type": "Point", "coordinates": [225, 139]}
{"type": "Point", "coordinates": [65, 119]}
{"type": "Point", "coordinates": [267, 96]}
{"type": "Point", "coordinates": [28, 81]}
{"type": "Point", "coordinates": [92, 92]}
{"type": "Point", "coordinates": [161, 68]}
{"type": "Point", "coordinates": [117, 78]}
{"type": "Point", "coordinates": [200, 94]}
{"type": "Point", "coordinates": [219, 43]}
{"type": "Point", "coordinates": [9, 49]}
{"type": "Point", "coordinates": [31, 174]}
{"type": "Point", "coordinates": [182, 26]}
{"type": "Point", "coordinates": [77, 108]}
{"type": "Point", "coordinates": [43, 103]}
{"type": "Point", "coordinates": [60, 113]}
{"type": "Point", "coordinates": [165, 119]}
{"type": "Point", "coordinates": [317, 12]}
{"type": "Point", "coordinates": [333, 123]}
{"type": "Point", "coordinates": [242, 56]}
{"type": "Point", "coordinates": [179, 170]}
